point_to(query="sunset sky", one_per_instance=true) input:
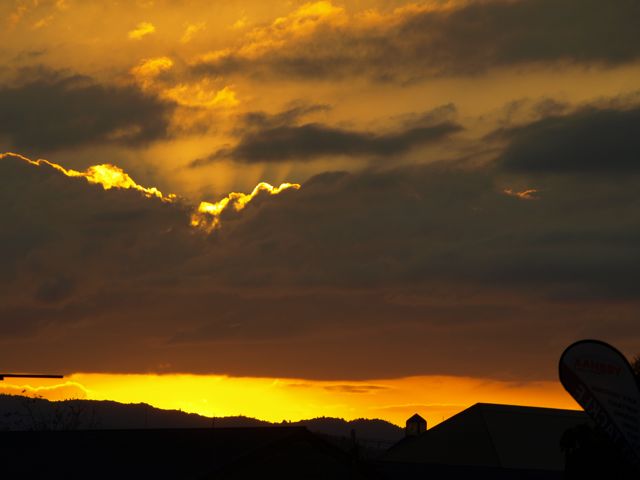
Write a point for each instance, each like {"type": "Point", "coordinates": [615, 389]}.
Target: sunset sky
{"type": "Point", "coordinates": [287, 209]}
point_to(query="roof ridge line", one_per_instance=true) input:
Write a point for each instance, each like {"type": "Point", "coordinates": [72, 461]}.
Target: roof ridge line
{"type": "Point", "coordinates": [491, 440]}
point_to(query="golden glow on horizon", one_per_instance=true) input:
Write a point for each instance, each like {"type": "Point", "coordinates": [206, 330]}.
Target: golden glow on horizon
{"type": "Point", "coordinates": [434, 397]}
{"type": "Point", "coordinates": [206, 217]}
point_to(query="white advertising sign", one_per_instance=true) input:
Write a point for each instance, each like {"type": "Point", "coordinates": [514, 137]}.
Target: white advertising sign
{"type": "Point", "coordinates": [601, 380]}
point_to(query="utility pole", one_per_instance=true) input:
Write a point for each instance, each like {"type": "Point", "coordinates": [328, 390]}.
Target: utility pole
{"type": "Point", "coordinates": [27, 375]}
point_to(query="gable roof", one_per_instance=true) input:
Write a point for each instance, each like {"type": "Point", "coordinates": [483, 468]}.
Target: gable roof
{"type": "Point", "coordinates": [496, 436]}
{"type": "Point", "coordinates": [416, 418]}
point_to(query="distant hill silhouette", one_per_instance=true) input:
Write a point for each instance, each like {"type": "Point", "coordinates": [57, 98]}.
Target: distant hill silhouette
{"type": "Point", "coordinates": [25, 413]}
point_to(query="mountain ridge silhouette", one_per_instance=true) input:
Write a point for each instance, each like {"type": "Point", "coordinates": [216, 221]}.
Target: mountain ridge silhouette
{"type": "Point", "coordinates": [35, 413]}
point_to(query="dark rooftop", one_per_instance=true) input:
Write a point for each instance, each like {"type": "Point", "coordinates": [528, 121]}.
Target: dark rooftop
{"type": "Point", "coordinates": [493, 436]}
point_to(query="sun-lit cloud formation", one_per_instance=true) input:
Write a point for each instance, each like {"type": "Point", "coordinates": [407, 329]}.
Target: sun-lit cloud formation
{"type": "Point", "coordinates": [287, 136]}
{"type": "Point", "coordinates": [457, 188]}
{"type": "Point", "coordinates": [150, 68]}
{"type": "Point", "coordinates": [321, 39]}
{"type": "Point", "coordinates": [529, 194]}
{"type": "Point", "coordinates": [195, 94]}
{"type": "Point", "coordinates": [202, 94]}
{"type": "Point", "coordinates": [191, 31]}
{"type": "Point", "coordinates": [308, 141]}
{"type": "Point", "coordinates": [208, 214]}
{"type": "Point", "coordinates": [107, 176]}
{"type": "Point", "coordinates": [291, 277]}
{"type": "Point", "coordinates": [142, 30]}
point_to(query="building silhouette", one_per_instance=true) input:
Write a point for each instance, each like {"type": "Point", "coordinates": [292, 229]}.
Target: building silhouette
{"type": "Point", "coordinates": [416, 425]}
{"type": "Point", "coordinates": [487, 441]}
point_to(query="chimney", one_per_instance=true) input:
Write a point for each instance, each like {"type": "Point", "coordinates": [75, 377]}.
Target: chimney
{"type": "Point", "coordinates": [416, 425]}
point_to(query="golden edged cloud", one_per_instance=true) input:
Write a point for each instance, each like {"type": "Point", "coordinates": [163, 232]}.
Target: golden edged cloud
{"type": "Point", "coordinates": [202, 94]}
{"type": "Point", "coordinates": [16, 15]}
{"type": "Point", "coordinates": [240, 23]}
{"type": "Point", "coordinates": [306, 20]}
{"type": "Point", "coordinates": [43, 22]}
{"type": "Point", "coordinates": [412, 41]}
{"type": "Point", "coordinates": [301, 23]}
{"type": "Point", "coordinates": [191, 31]}
{"type": "Point", "coordinates": [106, 175]}
{"type": "Point", "coordinates": [528, 194]}
{"type": "Point", "coordinates": [35, 8]}
{"type": "Point", "coordinates": [207, 216]}
{"type": "Point", "coordinates": [62, 5]}
{"type": "Point", "coordinates": [146, 72]}
{"type": "Point", "coordinates": [374, 18]}
{"type": "Point", "coordinates": [205, 93]}
{"type": "Point", "coordinates": [142, 30]}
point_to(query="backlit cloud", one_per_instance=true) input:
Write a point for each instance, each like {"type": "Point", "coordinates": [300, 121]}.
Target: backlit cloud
{"type": "Point", "coordinates": [207, 216]}
{"type": "Point", "coordinates": [282, 137]}
{"type": "Point", "coordinates": [147, 71]}
{"type": "Point", "coordinates": [142, 30]}
{"type": "Point", "coordinates": [53, 111]}
{"type": "Point", "coordinates": [191, 31]}
{"type": "Point", "coordinates": [107, 176]}
{"type": "Point", "coordinates": [322, 40]}
{"type": "Point", "coordinates": [440, 252]}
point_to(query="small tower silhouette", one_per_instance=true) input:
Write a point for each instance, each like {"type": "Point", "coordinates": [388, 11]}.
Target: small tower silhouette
{"type": "Point", "coordinates": [416, 425]}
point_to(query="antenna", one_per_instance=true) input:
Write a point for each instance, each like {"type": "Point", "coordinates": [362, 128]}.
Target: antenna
{"type": "Point", "coordinates": [27, 375]}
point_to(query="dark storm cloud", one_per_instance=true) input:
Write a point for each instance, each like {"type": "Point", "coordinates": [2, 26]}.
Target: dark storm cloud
{"type": "Point", "coordinates": [438, 223]}
{"type": "Point", "coordinates": [52, 111]}
{"type": "Point", "coordinates": [467, 40]}
{"type": "Point", "coordinates": [52, 250]}
{"type": "Point", "coordinates": [594, 140]}
{"type": "Point", "coordinates": [477, 261]}
{"type": "Point", "coordinates": [282, 119]}
{"type": "Point", "coordinates": [54, 289]}
{"type": "Point", "coordinates": [283, 143]}
{"type": "Point", "coordinates": [356, 275]}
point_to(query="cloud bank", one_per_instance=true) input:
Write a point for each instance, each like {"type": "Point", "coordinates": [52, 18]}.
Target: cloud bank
{"type": "Point", "coordinates": [424, 264]}
{"type": "Point", "coordinates": [54, 111]}
{"type": "Point", "coordinates": [323, 41]}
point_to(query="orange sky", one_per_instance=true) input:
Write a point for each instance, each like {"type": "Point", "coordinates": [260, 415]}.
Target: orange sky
{"type": "Point", "coordinates": [439, 195]}
{"type": "Point", "coordinates": [156, 45]}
